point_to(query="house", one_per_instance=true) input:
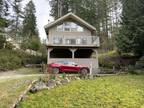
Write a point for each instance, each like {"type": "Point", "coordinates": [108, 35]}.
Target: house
{"type": "Point", "coordinates": [73, 39]}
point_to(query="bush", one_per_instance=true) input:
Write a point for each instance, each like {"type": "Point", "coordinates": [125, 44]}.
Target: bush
{"type": "Point", "coordinates": [10, 59]}
{"type": "Point", "coordinates": [9, 45]}
{"type": "Point", "coordinates": [33, 44]}
{"type": "Point", "coordinates": [2, 41]}
{"type": "Point", "coordinates": [140, 64]}
{"type": "Point", "coordinates": [113, 59]}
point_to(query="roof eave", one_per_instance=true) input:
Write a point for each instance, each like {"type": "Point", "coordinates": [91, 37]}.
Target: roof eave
{"type": "Point", "coordinates": [67, 16]}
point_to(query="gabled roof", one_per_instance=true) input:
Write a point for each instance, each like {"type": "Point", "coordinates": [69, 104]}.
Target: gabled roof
{"type": "Point", "coordinates": [72, 16]}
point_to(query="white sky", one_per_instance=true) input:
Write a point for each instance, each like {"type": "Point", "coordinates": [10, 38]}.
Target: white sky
{"type": "Point", "coordinates": [42, 14]}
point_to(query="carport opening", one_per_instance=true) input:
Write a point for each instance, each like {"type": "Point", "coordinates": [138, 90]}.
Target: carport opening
{"type": "Point", "coordinates": [60, 53]}
{"type": "Point", "coordinates": [83, 53]}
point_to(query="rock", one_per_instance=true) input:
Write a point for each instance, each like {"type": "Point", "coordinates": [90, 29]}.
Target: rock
{"type": "Point", "coordinates": [67, 79]}
{"type": "Point", "coordinates": [77, 78]}
{"type": "Point", "coordinates": [39, 85]}
{"type": "Point", "coordinates": [64, 81]}
{"type": "Point", "coordinates": [51, 83]}
{"type": "Point", "coordinates": [33, 90]}
{"type": "Point", "coordinates": [58, 82]}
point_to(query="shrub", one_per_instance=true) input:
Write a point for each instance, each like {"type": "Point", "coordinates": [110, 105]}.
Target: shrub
{"type": "Point", "coordinates": [9, 45]}
{"type": "Point", "coordinates": [2, 41]}
{"type": "Point", "coordinates": [33, 44]}
{"type": "Point", "coordinates": [10, 59]}
{"type": "Point", "coordinates": [140, 64]}
{"type": "Point", "coordinates": [110, 59]}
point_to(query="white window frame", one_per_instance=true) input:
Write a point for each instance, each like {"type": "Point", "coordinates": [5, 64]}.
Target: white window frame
{"type": "Point", "coordinates": [70, 27]}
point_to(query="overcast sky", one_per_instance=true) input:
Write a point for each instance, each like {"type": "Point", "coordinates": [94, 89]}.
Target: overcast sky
{"type": "Point", "coordinates": [42, 14]}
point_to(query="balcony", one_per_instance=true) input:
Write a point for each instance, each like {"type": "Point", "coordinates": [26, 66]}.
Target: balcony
{"type": "Point", "coordinates": [89, 41]}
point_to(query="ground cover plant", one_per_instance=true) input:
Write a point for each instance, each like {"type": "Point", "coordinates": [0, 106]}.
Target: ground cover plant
{"type": "Point", "coordinates": [102, 92]}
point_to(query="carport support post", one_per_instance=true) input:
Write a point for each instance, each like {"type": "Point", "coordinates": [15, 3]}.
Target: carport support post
{"type": "Point", "coordinates": [96, 52]}
{"type": "Point", "coordinates": [73, 53]}
{"type": "Point", "coordinates": [48, 56]}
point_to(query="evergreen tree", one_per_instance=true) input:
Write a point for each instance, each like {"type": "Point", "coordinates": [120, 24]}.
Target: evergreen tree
{"type": "Point", "coordinates": [3, 21]}
{"type": "Point", "coordinates": [29, 22]}
{"type": "Point", "coordinates": [16, 18]}
{"type": "Point", "coordinates": [131, 36]}
{"type": "Point", "coordinates": [3, 24]}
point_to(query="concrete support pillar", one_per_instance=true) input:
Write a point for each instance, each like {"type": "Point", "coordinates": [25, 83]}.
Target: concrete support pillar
{"type": "Point", "coordinates": [73, 53]}
{"type": "Point", "coordinates": [48, 55]}
{"type": "Point", "coordinates": [96, 52]}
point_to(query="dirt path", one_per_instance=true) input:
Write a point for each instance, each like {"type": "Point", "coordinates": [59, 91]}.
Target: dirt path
{"type": "Point", "coordinates": [13, 75]}
{"type": "Point", "coordinates": [8, 73]}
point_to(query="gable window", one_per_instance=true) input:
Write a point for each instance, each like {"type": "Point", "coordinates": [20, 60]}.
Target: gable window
{"type": "Point", "coordinates": [79, 28]}
{"type": "Point", "coordinates": [73, 27]}
{"type": "Point", "coordinates": [67, 26]}
{"type": "Point", "coordinates": [60, 28]}
{"type": "Point", "coordinates": [70, 27]}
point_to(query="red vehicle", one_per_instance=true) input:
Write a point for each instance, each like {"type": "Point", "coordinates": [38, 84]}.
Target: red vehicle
{"type": "Point", "coordinates": [66, 66]}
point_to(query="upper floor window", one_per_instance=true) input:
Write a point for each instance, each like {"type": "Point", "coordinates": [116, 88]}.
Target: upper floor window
{"type": "Point", "coordinates": [70, 27]}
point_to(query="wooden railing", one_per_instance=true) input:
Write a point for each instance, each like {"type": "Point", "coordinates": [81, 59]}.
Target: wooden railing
{"type": "Point", "coordinates": [75, 41]}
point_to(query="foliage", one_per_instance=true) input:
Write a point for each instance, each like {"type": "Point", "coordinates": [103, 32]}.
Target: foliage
{"type": "Point", "coordinates": [9, 45]}
{"type": "Point", "coordinates": [131, 36]}
{"type": "Point", "coordinates": [3, 21]}
{"type": "Point", "coordinates": [10, 59]}
{"type": "Point", "coordinates": [33, 44]}
{"type": "Point", "coordinates": [2, 41]}
{"type": "Point", "coordinates": [104, 92]}
{"type": "Point", "coordinates": [43, 50]}
{"type": "Point", "coordinates": [140, 64]}
{"type": "Point", "coordinates": [15, 16]}
{"type": "Point", "coordinates": [113, 59]}
{"type": "Point", "coordinates": [29, 22]}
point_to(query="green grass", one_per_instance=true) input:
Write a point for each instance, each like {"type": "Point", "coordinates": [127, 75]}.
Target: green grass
{"type": "Point", "coordinates": [26, 71]}
{"type": "Point", "coordinates": [11, 89]}
{"type": "Point", "coordinates": [103, 92]}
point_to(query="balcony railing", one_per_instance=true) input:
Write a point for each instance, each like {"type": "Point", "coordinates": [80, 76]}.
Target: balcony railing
{"type": "Point", "coordinates": [75, 41]}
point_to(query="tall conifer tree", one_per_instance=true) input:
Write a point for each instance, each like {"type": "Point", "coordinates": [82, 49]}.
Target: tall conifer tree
{"type": "Point", "coordinates": [29, 22]}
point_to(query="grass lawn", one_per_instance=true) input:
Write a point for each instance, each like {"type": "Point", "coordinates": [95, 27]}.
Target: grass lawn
{"type": "Point", "coordinates": [11, 88]}
{"type": "Point", "coordinates": [102, 92]}
{"type": "Point", "coordinates": [26, 71]}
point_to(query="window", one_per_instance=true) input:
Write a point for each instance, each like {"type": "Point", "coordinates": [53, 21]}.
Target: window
{"type": "Point", "coordinates": [70, 41]}
{"type": "Point", "coordinates": [67, 26]}
{"type": "Point", "coordinates": [80, 29]}
{"type": "Point", "coordinates": [70, 27]}
{"type": "Point", "coordinates": [57, 40]}
{"type": "Point", "coordinates": [73, 27]}
{"type": "Point", "coordinates": [60, 28]}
